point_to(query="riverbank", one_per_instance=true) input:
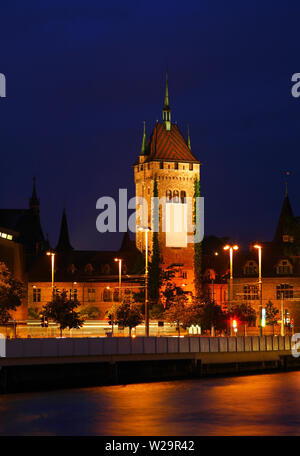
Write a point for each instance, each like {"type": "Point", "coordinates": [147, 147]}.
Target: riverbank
{"type": "Point", "coordinates": [39, 364]}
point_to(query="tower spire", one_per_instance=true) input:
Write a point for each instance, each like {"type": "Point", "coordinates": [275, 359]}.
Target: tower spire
{"type": "Point", "coordinates": [166, 108]}
{"type": "Point", "coordinates": [144, 142]}
{"type": "Point", "coordinates": [34, 202]}
{"type": "Point", "coordinates": [64, 239]}
{"type": "Point", "coordinates": [188, 137]}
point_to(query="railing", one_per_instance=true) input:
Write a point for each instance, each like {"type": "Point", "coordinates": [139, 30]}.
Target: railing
{"type": "Point", "coordinates": [89, 346]}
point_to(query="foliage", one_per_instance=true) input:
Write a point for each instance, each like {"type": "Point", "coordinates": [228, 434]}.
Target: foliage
{"type": "Point", "coordinates": [271, 314]}
{"type": "Point", "coordinates": [197, 246]}
{"type": "Point", "coordinates": [90, 313]}
{"type": "Point", "coordinates": [155, 273]}
{"type": "Point", "coordinates": [62, 310]}
{"type": "Point", "coordinates": [207, 313]}
{"type": "Point", "coordinates": [177, 312]}
{"type": "Point", "coordinates": [11, 293]}
{"type": "Point", "coordinates": [157, 312]}
{"type": "Point", "coordinates": [33, 313]}
{"type": "Point", "coordinates": [244, 313]}
{"type": "Point", "coordinates": [128, 314]}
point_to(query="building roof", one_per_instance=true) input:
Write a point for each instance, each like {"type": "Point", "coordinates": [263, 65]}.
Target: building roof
{"type": "Point", "coordinates": [168, 145]}
{"type": "Point", "coordinates": [64, 244]}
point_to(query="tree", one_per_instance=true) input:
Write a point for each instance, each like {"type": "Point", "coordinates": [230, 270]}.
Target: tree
{"type": "Point", "coordinates": [244, 313]}
{"type": "Point", "coordinates": [271, 314]}
{"type": "Point", "coordinates": [62, 310]}
{"type": "Point", "coordinates": [179, 312]}
{"type": "Point", "coordinates": [11, 293]}
{"type": "Point", "coordinates": [197, 245]}
{"type": "Point", "coordinates": [155, 279]}
{"type": "Point", "coordinates": [33, 313]}
{"type": "Point", "coordinates": [210, 314]}
{"type": "Point", "coordinates": [128, 314]}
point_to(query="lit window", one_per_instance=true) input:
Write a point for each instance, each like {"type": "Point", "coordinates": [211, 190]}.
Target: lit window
{"type": "Point", "coordinates": [250, 268]}
{"type": "Point", "coordinates": [176, 196]}
{"type": "Point", "coordinates": [284, 291]}
{"type": "Point", "coordinates": [250, 292]}
{"type": "Point", "coordinates": [284, 267]}
{"type": "Point", "coordinates": [107, 295]}
{"type": "Point", "coordinates": [169, 196]}
{"type": "Point", "coordinates": [91, 294]}
{"type": "Point", "coordinates": [183, 196]}
{"type": "Point", "coordinates": [36, 295]}
{"type": "Point", "coordinates": [191, 166]}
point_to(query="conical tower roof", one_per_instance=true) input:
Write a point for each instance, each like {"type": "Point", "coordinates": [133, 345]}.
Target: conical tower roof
{"type": "Point", "coordinates": [64, 244]}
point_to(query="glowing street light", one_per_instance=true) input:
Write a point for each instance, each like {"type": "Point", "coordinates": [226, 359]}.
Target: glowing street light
{"type": "Point", "coordinates": [146, 230]}
{"type": "Point", "coordinates": [52, 254]}
{"type": "Point", "coordinates": [119, 260]}
{"type": "Point", "coordinates": [259, 248]}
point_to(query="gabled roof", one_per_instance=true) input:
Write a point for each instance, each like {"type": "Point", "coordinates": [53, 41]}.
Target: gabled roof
{"type": "Point", "coordinates": [168, 145]}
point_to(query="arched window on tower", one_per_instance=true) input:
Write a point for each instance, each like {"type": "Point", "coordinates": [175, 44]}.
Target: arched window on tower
{"type": "Point", "coordinates": [169, 196]}
{"type": "Point", "coordinates": [183, 196]}
{"type": "Point", "coordinates": [176, 196]}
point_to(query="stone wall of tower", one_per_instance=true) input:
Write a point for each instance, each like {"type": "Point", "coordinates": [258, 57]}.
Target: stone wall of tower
{"type": "Point", "coordinates": [168, 178]}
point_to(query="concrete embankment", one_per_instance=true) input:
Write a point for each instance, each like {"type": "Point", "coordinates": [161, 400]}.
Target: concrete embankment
{"type": "Point", "coordinates": [35, 364]}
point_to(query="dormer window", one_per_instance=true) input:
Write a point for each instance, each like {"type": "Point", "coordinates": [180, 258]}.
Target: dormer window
{"type": "Point", "coordinates": [88, 269]}
{"type": "Point", "coordinates": [284, 267]}
{"type": "Point", "coordinates": [250, 268]}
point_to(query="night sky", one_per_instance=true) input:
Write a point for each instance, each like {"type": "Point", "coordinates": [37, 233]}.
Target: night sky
{"type": "Point", "coordinates": [83, 75]}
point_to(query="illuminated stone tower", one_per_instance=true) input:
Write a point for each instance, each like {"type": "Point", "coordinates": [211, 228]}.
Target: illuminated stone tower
{"type": "Point", "coordinates": [167, 157]}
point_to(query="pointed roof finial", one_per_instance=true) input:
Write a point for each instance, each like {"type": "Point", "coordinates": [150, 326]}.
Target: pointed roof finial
{"type": "Point", "coordinates": [34, 201]}
{"type": "Point", "coordinates": [166, 109]}
{"type": "Point", "coordinates": [64, 244]}
{"type": "Point", "coordinates": [287, 173]}
{"type": "Point", "coordinates": [188, 138]}
{"type": "Point", "coordinates": [144, 142]}
{"type": "Point", "coordinates": [167, 105]}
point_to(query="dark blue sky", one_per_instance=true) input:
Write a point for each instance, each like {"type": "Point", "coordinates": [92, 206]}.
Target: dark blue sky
{"type": "Point", "coordinates": [83, 75]}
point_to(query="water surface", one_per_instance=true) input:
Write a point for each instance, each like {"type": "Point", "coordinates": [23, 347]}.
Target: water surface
{"type": "Point", "coordinates": [249, 405]}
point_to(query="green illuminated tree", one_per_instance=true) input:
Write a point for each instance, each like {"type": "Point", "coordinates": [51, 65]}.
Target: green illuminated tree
{"type": "Point", "coordinates": [271, 315]}
{"type": "Point", "coordinates": [197, 246]}
{"type": "Point", "coordinates": [155, 272]}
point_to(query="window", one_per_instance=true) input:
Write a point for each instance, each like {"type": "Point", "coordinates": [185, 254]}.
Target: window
{"type": "Point", "coordinates": [91, 295]}
{"type": "Point", "coordinates": [284, 267]}
{"type": "Point", "coordinates": [88, 269]}
{"type": "Point", "coordinates": [141, 167]}
{"type": "Point", "coordinates": [176, 165]}
{"type": "Point", "coordinates": [191, 166]}
{"type": "Point", "coordinates": [250, 268]}
{"type": "Point", "coordinates": [184, 275]}
{"type": "Point", "coordinates": [72, 268]}
{"type": "Point", "coordinates": [250, 292]}
{"type": "Point", "coordinates": [107, 295]}
{"type": "Point", "coordinates": [284, 291]}
{"type": "Point", "coordinates": [73, 294]}
{"type": "Point", "coordinates": [176, 196]}
{"type": "Point", "coordinates": [36, 295]}
{"type": "Point", "coordinates": [182, 196]}
{"type": "Point", "coordinates": [161, 165]}
{"type": "Point", "coordinates": [148, 165]}
{"type": "Point", "coordinates": [169, 196]}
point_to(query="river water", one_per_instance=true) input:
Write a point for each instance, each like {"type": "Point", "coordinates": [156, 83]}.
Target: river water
{"type": "Point", "coordinates": [249, 405]}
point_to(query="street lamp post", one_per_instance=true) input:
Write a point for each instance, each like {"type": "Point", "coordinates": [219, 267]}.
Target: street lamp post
{"type": "Point", "coordinates": [119, 260]}
{"type": "Point", "coordinates": [282, 311]}
{"type": "Point", "coordinates": [259, 248]}
{"type": "Point", "coordinates": [230, 249]}
{"type": "Point", "coordinates": [52, 254]}
{"type": "Point", "coordinates": [146, 230]}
